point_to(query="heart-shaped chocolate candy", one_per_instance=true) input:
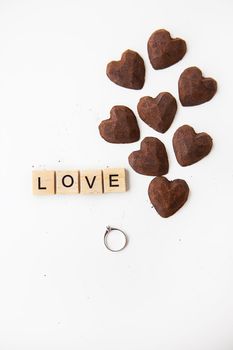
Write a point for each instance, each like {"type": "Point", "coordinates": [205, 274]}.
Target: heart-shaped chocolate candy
{"type": "Point", "coordinates": [121, 127]}
{"type": "Point", "coordinates": [129, 72]}
{"type": "Point", "coordinates": [190, 147]}
{"type": "Point", "coordinates": [151, 159]}
{"type": "Point", "coordinates": [164, 51]}
{"type": "Point", "coordinates": [167, 196]}
{"type": "Point", "coordinates": [158, 112]}
{"type": "Point", "coordinates": [194, 89]}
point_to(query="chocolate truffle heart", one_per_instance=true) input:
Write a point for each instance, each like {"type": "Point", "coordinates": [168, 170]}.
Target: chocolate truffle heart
{"type": "Point", "coordinates": [158, 112]}
{"type": "Point", "coordinates": [190, 147]}
{"type": "Point", "coordinates": [194, 89]}
{"type": "Point", "coordinates": [167, 196]}
{"type": "Point", "coordinates": [121, 127]}
{"type": "Point", "coordinates": [164, 51]}
{"type": "Point", "coordinates": [151, 159]}
{"type": "Point", "coordinates": [129, 72]}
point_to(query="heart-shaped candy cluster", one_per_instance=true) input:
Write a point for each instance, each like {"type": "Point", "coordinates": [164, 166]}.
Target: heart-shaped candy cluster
{"type": "Point", "coordinates": [158, 112]}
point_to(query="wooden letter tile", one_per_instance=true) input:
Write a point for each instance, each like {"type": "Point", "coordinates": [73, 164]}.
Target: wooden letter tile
{"type": "Point", "coordinates": [91, 181]}
{"type": "Point", "coordinates": [67, 182]}
{"type": "Point", "coordinates": [43, 182]}
{"type": "Point", "coordinates": [114, 180]}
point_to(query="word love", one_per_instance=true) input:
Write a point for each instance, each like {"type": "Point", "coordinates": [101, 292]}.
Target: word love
{"type": "Point", "coordinates": [108, 180]}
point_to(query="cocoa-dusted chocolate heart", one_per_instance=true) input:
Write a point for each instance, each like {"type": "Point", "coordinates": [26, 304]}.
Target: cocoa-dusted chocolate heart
{"type": "Point", "coordinates": [151, 159]}
{"type": "Point", "coordinates": [194, 89]}
{"type": "Point", "coordinates": [190, 147]}
{"type": "Point", "coordinates": [167, 196]}
{"type": "Point", "coordinates": [121, 127]}
{"type": "Point", "coordinates": [158, 112]}
{"type": "Point", "coordinates": [129, 72]}
{"type": "Point", "coordinates": [163, 50]}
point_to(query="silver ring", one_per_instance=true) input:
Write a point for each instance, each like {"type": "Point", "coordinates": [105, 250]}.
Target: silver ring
{"type": "Point", "coordinates": [109, 229]}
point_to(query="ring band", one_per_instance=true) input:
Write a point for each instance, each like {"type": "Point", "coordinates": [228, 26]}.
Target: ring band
{"type": "Point", "coordinates": [109, 229]}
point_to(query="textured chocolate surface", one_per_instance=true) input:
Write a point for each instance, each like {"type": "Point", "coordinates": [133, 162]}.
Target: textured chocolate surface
{"type": "Point", "coordinates": [190, 147]}
{"type": "Point", "coordinates": [168, 196]}
{"type": "Point", "coordinates": [151, 159]}
{"type": "Point", "coordinates": [121, 127]}
{"type": "Point", "coordinates": [158, 112]}
{"type": "Point", "coordinates": [194, 89]}
{"type": "Point", "coordinates": [129, 72]}
{"type": "Point", "coordinates": [164, 51]}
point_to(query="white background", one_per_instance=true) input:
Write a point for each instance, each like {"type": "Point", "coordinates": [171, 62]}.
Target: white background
{"type": "Point", "coordinates": [172, 288]}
